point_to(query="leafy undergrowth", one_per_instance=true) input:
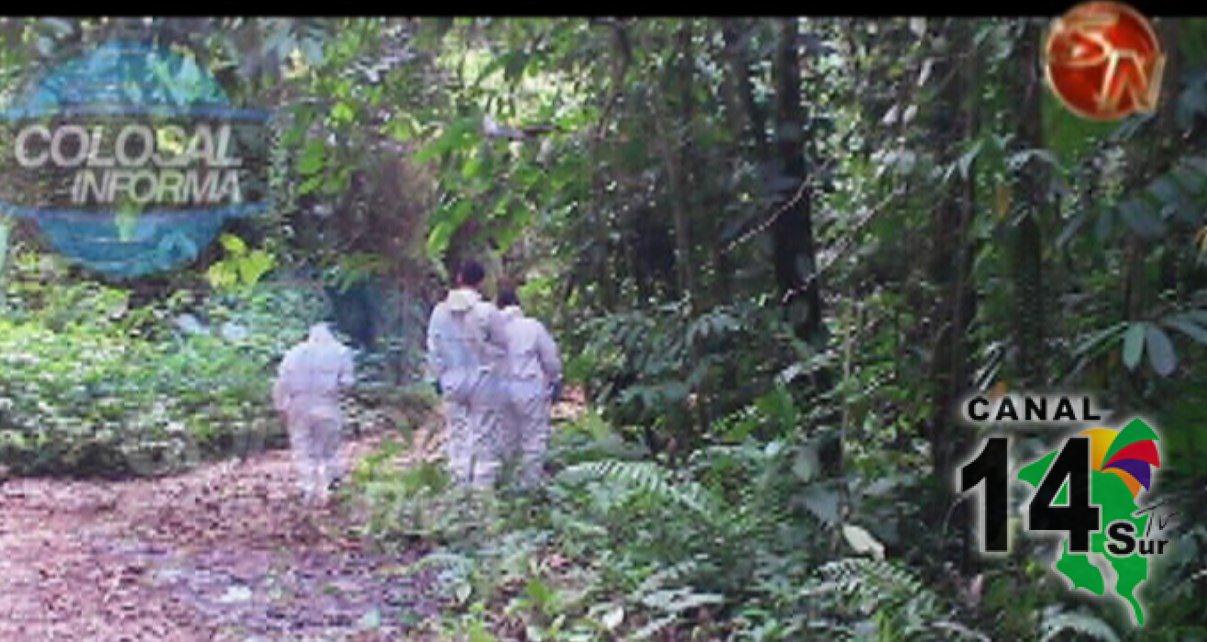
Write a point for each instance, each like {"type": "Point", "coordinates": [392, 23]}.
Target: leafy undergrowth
{"type": "Point", "coordinates": [618, 547]}
{"type": "Point", "coordinates": [740, 543]}
{"type": "Point", "coordinates": [94, 385]}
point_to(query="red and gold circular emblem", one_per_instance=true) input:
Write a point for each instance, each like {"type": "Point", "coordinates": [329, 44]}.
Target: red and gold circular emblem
{"type": "Point", "coordinates": [1103, 61]}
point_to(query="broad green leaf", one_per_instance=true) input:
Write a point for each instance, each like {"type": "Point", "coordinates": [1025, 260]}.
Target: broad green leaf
{"type": "Point", "coordinates": [1198, 316]}
{"type": "Point", "coordinates": [539, 592]}
{"type": "Point", "coordinates": [445, 221]}
{"type": "Point", "coordinates": [254, 266]}
{"type": "Point", "coordinates": [822, 502]}
{"type": "Point", "coordinates": [402, 127]}
{"type": "Point", "coordinates": [455, 136]}
{"type": "Point", "coordinates": [1133, 345]}
{"type": "Point", "coordinates": [478, 632]}
{"type": "Point", "coordinates": [613, 618]}
{"type": "Point", "coordinates": [515, 66]}
{"type": "Point", "coordinates": [1099, 338]}
{"type": "Point", "coordinates": [862, 541]}
{"type": "Point", "coordinates": [220, 275]}
{"type": "Point", "coordinates": [1188, 327]}
{"type": "Point", "coordinates": [338, 183]}
{"type": "Point", "coordinates": [1165, 190]}
{"type": "Point", "coordinates": [805, 465]}
{"type": "Point", "coordinates": [342, 112]}
{"type": "Point", "coordinates": [311, 184]}
{"type": "Point", "coordinates": [1143, 220]}
{"type": "Point", "coordinates": [430, 151]}
{"type": "Point", "coordinates": [233, 244]}
{"type": "Point", "coordinates": [439, 238]}
{"type": "Point", "coordinates": [312, 48]}
{"type": "Point", "coordinates": [472, 166]}
{"type": "Point", "coordinates": [343, 88]}
{"type": "Point", "coordinates": [313, 157]}
{"type": "Point", "coordinates": [1160, 350]}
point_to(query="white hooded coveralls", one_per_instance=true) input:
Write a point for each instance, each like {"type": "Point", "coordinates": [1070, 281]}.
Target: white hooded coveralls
{"type": "Point", "coordinates": [307, 388]}
{"type": "Point", "coordinates": [532, 367]}
{"type": "Point", "coordinates": [463, 349]}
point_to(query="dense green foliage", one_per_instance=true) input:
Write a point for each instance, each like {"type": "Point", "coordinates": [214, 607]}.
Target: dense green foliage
{"type": "Point", "coordinates": [776, 254]}
{"type": "Point", "coordinates": [95, 385]}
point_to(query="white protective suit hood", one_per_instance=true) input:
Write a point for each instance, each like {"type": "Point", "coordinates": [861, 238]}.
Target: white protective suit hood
{"type": "Point", "coordinates": [461, 343]}
{"type": "Point", "coordinates": [461, 300]}
{"type": "Point", "coordinates": [321, 333]}
{"type": "Point", "coordinates": [531, 351]}
{"type": "Point", "coordinates": [314, 371]}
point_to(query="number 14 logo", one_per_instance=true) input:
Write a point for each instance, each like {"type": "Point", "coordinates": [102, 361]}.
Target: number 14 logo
{"type": "Point", "coordinates": [1093, 479]}
{"type": "Point", "coordinates": [1072, 513]}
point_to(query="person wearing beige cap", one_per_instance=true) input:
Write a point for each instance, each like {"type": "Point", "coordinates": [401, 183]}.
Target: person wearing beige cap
{"type": "Point", "coordinates": [464, 349]}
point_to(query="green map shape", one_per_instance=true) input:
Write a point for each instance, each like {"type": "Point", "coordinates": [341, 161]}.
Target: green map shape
{"type": "Point", "coordinates": [1108, 492]}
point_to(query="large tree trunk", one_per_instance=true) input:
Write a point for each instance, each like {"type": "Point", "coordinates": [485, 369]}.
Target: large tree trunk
{"type": "Point", "coordinates": [1031, 185]}
{"type": "Point", "coordinates": [673, 134]}
{"type": "Point", "coordinates": [1150, 152]}
{"type": "Point", "coordinates": [792, 232]}
{"type": "Point", "coordinates": [684, 138]}
{"type": "Point", "coordinates": [751, 121]}
{"type": "Point", "coordinates": [952, 124]}
{"type": "Point", "coordinates": [950, 265]}
{"type": "Point", "coordinates": [795, 255]}
{"type": "Point", "coordinates": [749, 126]}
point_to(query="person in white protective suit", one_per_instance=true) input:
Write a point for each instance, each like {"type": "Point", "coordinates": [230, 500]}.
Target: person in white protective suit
{"type": "Point", "coordinates": [464, 349]}
{"type": "Point", "coordinates": [307, 393]}
{"type": "Point", "coordinates": [533, 373]}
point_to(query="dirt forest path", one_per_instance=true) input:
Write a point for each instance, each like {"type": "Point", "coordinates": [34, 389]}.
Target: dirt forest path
{"type": "Point", "coordinates": [222, 553]}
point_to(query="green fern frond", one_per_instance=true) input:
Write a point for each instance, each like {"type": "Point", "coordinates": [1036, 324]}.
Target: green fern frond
{"type": "Point", "coordinates": [650, 479]}
{"type": "Point", "coordinates": [892, 596]}
{"type": "Point", "coordinates": [877, 580]}
{"type": "Point", "coordinates": [674, 575]}
{"type": "Point", "coordinates": [1082, 624]}
{"type": "Point", "coordinates": [960, 631]}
